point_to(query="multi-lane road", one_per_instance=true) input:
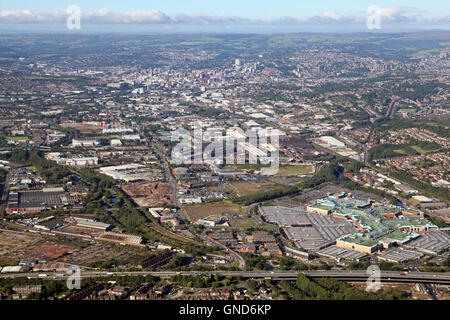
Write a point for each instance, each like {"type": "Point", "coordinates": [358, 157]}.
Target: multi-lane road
{"type": "Point", "coordinates": [385, 276]}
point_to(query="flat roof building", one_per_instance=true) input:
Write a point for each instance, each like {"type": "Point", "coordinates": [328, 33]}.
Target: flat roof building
{"type": "Point", "coordinates": [85, 142]}
{"type": "Point", "coordinates": [362, 245]}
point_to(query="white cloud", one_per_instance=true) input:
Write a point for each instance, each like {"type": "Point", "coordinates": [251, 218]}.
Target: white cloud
{"type": "Point", "coordinates": [391, 16]}
{"type": "Point", "coordinates": [125, 17]}
{"type": "Point", "coordinates": [26, 16]}
{"type": "Point", "coordinates": [330, 14]}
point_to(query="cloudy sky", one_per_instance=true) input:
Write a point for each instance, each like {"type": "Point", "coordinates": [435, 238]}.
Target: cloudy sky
{"type": "Point", "coordinates": [262, 16]}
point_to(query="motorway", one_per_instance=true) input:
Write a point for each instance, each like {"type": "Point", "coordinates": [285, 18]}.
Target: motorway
{"type": "Point", "coordinates": [386, 276]}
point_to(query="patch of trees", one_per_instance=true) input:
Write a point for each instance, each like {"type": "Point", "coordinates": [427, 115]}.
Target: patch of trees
{"type": "Point", "coordinates": [205, 281]}
{"type": "Point", "coordinates": [426, 188]}
{"type": "Point", "coordinates": [440, 127]}
{"type": "Point", "coordinates": [353, 166]}
{"type": "Point", "coordinates": [195, 250]}
{"type": "Point", "coordinates": [382, 151]}
{"type": "Point", "coordinates": [177, 262]}
{"type": "Point", "coordinates": [437, 221]}
{"type": "Point", "coordinates": [266, 195]}
{"type": "Point", "coordinates": [361, 115]}
{"type": "Point", "coordinates": [50, 288]}
{"type": "Point", "coordinates": [49, 170]}
{"type": "Point", "coordinates": [329, 173]}
{"type": "Point", "coordinates": [253, 261]}
{"type": "Point", "coordinates": [288, 263]}
{"type": "Point", "coordinates": [364, 264]}
{"type": "Point", "coordinates": [131, 281]}
{"type": "Point", "coordinates": [305, 288]}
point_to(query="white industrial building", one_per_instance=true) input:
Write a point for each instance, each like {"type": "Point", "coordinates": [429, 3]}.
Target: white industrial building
{"type": "Point", "coordinates": [332, 142]}
{"type": "Point", "coordinates": [191, 200]}
{"type": "Point", "coordinates": [81, 142]}
{"type": "Point", "coordinates": [126, 172]}
{"type": "Point", "coordinates": [116, 142]}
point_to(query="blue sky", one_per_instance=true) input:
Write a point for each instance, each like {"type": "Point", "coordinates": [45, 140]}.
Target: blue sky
{"type": "Point", "coordinates": [322, 15]}
{"type": "Point", "coordinates": [256, 9]}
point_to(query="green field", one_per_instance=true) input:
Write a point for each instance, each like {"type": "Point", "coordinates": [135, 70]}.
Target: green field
{"type": "Point", "coordinates": [248, 187]}
{"type": "Point", "coordinates": [203, 210]}
{"type": "Point", "coordinates": [247, 166]}
{"type": "Point", "coordinates": [242, 188]}
{"type": "Point", "coordinates": [407, 150]}
{"type": "Point", "coordinates": [423, 150]}
{"type": "Point", "coordinates": [407, 110]}
{"type": "Point", "coordinates": [242, 223]}
{"type": "Point", "coordinates": [19, 138]}
{"type": "Point", "coordinates": [295, 170]}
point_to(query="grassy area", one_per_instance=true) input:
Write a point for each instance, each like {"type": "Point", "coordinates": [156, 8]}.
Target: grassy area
{"type": "Point", "coordinates": [49, 78]}
{"type": "Point", "coordinates": [267, 227]}
{"type": "Point", "coordinates": [407, 110]}
{"type": "Point", "coordinates": [242, 188]}
{"type": "Point", "coordinates": [382, 151]}
{"type": "Point", "coordinates": [242, 223]}
{"type": "Point", "coordinates": [295, 170]}
{"type": "Point", "coordinates": [14, 225]}
{"type": "Point", "coordinates": [203, 210]}
{"type": "Point", "coordinates": [247, 166]}
{"type": "Point", "coordinates": [400, 151]}
{"type": "Point", "coordinates": [248, 187]}
{"type": "Point", "coordinates": [245, 187]}
{"type": "Point", "coordinates": [423, 150]}
{"type": "Point", "coordinates": [17, 138]}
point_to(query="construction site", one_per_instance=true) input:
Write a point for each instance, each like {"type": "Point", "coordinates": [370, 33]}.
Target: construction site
{"type": "Point", "coordinates": [149, 194]}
